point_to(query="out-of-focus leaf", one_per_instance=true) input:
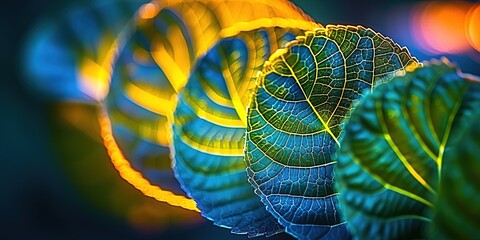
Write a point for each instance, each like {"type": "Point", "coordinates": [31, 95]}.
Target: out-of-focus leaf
{"type": "Point", "coordinates": [392, 150]}
{"type": "Point", "coordinates": [153, 67]}
{"type": "Point", "coordinates": [69, 57]}
{"type": "Point", "coordinates": [458, 203]}
{"type": "Point", "coordinates": [91, 178]}
{"type": "Point", "coordinates": [209, 128]}
{"type": "Point", "coordinates": [156, 62]}
{"type": "Point", "coordinates": [303, 94]}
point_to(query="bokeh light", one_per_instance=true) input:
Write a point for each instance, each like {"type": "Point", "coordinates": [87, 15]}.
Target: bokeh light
{"type": "Point", "coordinates": [472, 27]}
{"type": "Point", "coordinates": [65, 184]}
{"type": "Point", "coordinates": [438, 27]}
{"type": "Point", "coordinates": [148, 11]}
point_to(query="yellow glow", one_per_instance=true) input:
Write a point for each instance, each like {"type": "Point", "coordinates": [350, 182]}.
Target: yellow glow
{"type": "Point", "coordinates": [209, 21]}
{"type": "Point", "coordinates": [135, 178]}
{"type": "Point", "coordinates": [172, 70]}
{"type": "Point", "coordinates": [163, 137]}
{"type": "Point", "coordinates": [412, 66]}
{"type": "Point", "coordinates": [206, 30]}
{"type": "Point", "coordinates": [221, 149]}
{"type": "Point", "coordinates": [236, 99]}
{"type": "Point", "coordinates": [155, 104]}
{"type": "Point", "coordinates": [94, 79]}
{"type": "Point", "coordinates": [439, 26]}
{"type": "Point", "coordinates": [147, 100]}
{"type": "Point", "coordinates": [176, 63]}
{"type": "Point", "coordinates": [473, 27]}
{"type": "Point", "coordinates": [215, 97]}
{"type": "Point", "coordinates": [204, 20]}
{"type": "Point", "coordinates": [268, 23]}
{"type": "Point", "coordinates": [180, 55]}
{"type": "Point", "coordinates": [94, 73]}
{"type": "Point", "coordinates": [244, 86]}
{"type": "Point", "coordinates": [148, 11]}
{"type": "Point", "coordinates": [150, 130]}
{"type": "Point", "coordinates": [198, 107]}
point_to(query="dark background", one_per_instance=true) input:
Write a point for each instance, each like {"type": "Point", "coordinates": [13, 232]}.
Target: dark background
{"type": "Point", "coordinates": [55, 179]}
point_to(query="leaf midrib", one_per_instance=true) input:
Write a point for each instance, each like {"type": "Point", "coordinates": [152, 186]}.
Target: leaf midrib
{"type": "Point", "coordinates": [448, 129]}
{"type": "Point", "coordinates": [327, 128]}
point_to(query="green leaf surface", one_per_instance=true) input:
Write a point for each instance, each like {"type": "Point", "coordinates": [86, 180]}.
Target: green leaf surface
{"type": "Point", "coordinates": [304, 93]}
{"type": "Point", "coordinates": [209, 131]}
{"type": "Point", "coordinates": [392, 150]}
{"type": "Point", "coordinates": [457, 214]}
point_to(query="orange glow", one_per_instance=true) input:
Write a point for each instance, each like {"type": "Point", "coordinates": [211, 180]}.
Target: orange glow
{"type": "Point", "coordinates": [135, 178]}
{"type": "Point", "coordinates": [439, 26]}
{"type": "Point", "coordinates": [271, 22]}
{"type": "Point", "coordinates": [473, 27]}
{"type": "Point", "coordinates": [207, 21]}
{"type": "Point", "coordinates": [148, 11]}
{"type": "Point", "coordinates": [77, 115]}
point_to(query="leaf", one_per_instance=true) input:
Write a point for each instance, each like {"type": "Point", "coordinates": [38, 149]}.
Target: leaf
{"type": "Point", "coordinates": [153, 66]}
{"type": "Point", "coordinates": [303, 94]}
{"type": "Point", "coordinates": [137, 97]}
{"type": "Point", "coordinates": [67, 57]}
{"type": "Point", "coordinates": [156, 61]}
{"type": "Point", "coordinates": [392, 150]}
{"type": "Point", "coordinates": [84, 165]}
{"type": "Point", "coordinates": [457, 207]}
{"type": "Point", "coordinates": [209, 128]}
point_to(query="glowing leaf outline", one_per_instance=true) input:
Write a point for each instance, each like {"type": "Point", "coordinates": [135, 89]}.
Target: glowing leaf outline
{"type": "Point", "coordinates": [389, 125]}
{"type": "Point", "coordinates": [261, 153]}
{"type": "Point", "coordinates": [286, 14]}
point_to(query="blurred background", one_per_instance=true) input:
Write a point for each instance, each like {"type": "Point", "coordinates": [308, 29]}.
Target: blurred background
{"type": "Point", "coordinates": [56, 180]}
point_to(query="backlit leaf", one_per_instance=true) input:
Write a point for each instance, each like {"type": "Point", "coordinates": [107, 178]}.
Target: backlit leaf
{"type": "Point", "coordinates": [168, 38]}
{"type": "Point", "coordinates": [392, 151]}
{"type": "Point", "coordinates": [458, 203]}
{"type": "Point", "coordinates": [303, 94]}
{"type": "Point", "coordinates": [209, 131]}
{"type": "Point", "coordinates": [69, 56]}
{"type": "Point", "coordinates": [156, 61]}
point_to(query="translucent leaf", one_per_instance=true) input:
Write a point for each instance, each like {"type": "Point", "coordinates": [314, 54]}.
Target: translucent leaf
{"type": "Point", "coordinates": [69, 56]}
{"type": "Point", "coordinates": [153, 67]}
{"type": "Point", "coordinates": [392, 151]}
{"type": "Point", "coordinates": [458, 203]}
{"type": "Point", "coordinates": [209, 131]}
{"type": "Point", "coordinates": [155, 63]}
{"type": "Point", "coordinates": [303, 95]}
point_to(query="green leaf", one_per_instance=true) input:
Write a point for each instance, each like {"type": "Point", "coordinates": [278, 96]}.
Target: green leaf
{"type": "Point", "coordinates": [392, 150]}
{"type": "Point", "coordinates": [209, 131]}
{"type": "Point", "coordinates": [457, 214]}
{"type": "Point", "coordinates": [304, 93]}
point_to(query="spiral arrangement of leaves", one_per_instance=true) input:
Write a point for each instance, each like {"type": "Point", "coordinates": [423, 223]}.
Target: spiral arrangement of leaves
{"type": "Point", "coordinates": [265, 121]}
